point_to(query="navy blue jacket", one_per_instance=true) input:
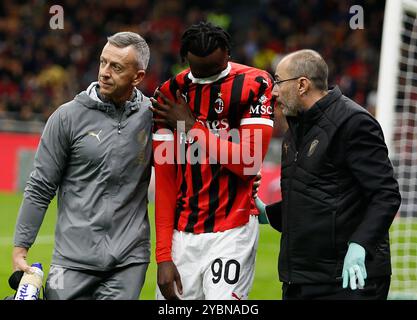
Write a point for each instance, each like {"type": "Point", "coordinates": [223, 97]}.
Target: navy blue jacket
{"type": "Point", "coordinates": [338, 186]}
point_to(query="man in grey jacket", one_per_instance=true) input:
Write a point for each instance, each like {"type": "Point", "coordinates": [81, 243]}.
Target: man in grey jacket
{"type": "Point", "coordinates": [96, 151]}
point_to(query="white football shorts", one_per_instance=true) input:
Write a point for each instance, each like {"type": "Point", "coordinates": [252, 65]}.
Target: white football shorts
{"type": "Point", "coordinates": [218, 265]}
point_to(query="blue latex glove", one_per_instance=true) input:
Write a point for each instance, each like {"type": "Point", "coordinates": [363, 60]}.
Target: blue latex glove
{"type": "Point", "coordinates": [354, 267]}
{"type": "Point", "coordinates": [263, 219]}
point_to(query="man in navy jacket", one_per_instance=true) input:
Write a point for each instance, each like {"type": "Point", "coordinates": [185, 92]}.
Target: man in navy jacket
{"type": "Point", "coordinates": [339, 194]}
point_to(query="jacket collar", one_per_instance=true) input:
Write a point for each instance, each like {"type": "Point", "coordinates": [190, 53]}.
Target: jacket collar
{"type": "Point", "coordinates": [310, 117]}
{"type": "Point", "coordinates": [322, 104]}
{"type": "Point", "coordinates": [316, 111]}
{"type": "Point", "coordinates": [91, 99]}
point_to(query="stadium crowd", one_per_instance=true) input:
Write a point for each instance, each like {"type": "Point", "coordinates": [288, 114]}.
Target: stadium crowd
{"type": "Point", "coordinates": [41, 68]}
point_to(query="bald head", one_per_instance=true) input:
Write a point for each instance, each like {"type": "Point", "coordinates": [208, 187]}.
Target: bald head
{"type": "Point", "coordinates": [307, 63]}
{"type": "Point", "coordinates": [300, 81]}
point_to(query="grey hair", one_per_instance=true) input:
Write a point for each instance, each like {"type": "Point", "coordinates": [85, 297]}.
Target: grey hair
{"type": "Point", "coordinates": [127, 38]}
{"type": "Point", "coordinates": [310, 64]}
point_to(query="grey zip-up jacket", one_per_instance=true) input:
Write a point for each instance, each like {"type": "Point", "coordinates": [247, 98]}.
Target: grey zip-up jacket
{"type": "Point", "coordinates": [99, 159]}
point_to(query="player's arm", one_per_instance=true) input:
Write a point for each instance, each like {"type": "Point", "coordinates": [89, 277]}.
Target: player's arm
{"type": "Point", "coordinates": [165, 195]}
{"type": "Point", "coordinates": [165, 200]}
{"type": "Point", "coordinates": [251, 149]}
{"type": "Point", "coordinates": [49, 164]}
{"type": "Point", "coordinates": [255, 131]}
{"type": "Point", "coordinates": [366, 155]}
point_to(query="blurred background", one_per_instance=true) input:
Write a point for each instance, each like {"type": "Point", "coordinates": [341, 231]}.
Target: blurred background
{"type": "Point", "coordinates": [42, 68]}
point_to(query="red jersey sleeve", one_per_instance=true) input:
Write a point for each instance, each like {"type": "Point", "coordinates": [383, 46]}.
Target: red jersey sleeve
{"type": "Point", "coordinates": [165, 182]}
{"type": "Point", "coordinates": [260, 109]}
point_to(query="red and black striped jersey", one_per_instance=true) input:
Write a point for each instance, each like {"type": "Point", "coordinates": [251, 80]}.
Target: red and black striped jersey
{"type": "Point", "coordinates": [209, 195]}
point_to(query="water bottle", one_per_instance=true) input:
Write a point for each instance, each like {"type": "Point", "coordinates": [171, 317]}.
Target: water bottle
{"type": "Point", "coordinates": [31, 284]}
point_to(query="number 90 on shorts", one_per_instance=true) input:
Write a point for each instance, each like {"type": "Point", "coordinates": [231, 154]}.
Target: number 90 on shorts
{"type": "Point", "coordinates": [216, 266]}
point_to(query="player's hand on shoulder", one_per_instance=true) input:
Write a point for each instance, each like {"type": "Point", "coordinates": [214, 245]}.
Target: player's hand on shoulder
{"type": "Point", "coordinates": [168, 112]}
{"type": "Point", "coordinates": [168, 278]}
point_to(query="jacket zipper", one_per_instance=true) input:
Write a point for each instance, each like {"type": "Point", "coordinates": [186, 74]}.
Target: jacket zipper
{"type": "Point", "coordinates": [334, 230]}
{"type": "Point", "coordinates": [293, 169]}
{"type": "Point", "coordinates": [119, 125]}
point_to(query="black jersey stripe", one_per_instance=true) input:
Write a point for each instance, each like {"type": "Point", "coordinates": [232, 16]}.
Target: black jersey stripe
{"type": "Point", "coordinates": [197, 180]}
{"type": "Point", "coordinates": [214, 186]}
{"type": "Point", "coordinates": [186, 86]}
{"type": "Point", "coordinates": [263, 85]}
{"type": "Point", "coordinates": [173, 87]}
{"type": "Point", "coordinates": [213, 198]}
{"type": "Point", "coordinates": [181, 202]}
{"type": "Point", "coordinates": [183, 187]}
{"type": "Point", "coordinates": [262, 88]}
{"type": "Point", "coordinates": [235, 114]}
{"type": "Point", "coordinates": [197, 100]}
{"type": "Point", "coordinates": [235, 100]}
{"type": "Point", "coordinates": [187, 80]}
{"type": "Point", "coordinates": [232, 188]}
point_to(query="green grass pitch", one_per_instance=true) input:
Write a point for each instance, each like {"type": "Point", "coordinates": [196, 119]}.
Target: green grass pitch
{"type": "Point", "coordinates": [266, 284]}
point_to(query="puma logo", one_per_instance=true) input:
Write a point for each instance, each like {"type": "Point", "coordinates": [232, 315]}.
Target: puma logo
{"type": "Point", "coordinates": [97, 135]}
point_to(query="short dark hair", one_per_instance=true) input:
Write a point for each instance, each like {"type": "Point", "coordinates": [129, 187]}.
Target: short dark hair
{"type": "Point", "coordinates": [127, 38]}
{"type": "Point", "coordinates": [203, 39]}
{"type": "Point", "coordinates": [310, 64]}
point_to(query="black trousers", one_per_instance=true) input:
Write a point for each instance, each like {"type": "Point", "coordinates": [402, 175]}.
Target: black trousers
{"type": "Point", "coordinates": [375, 289]}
